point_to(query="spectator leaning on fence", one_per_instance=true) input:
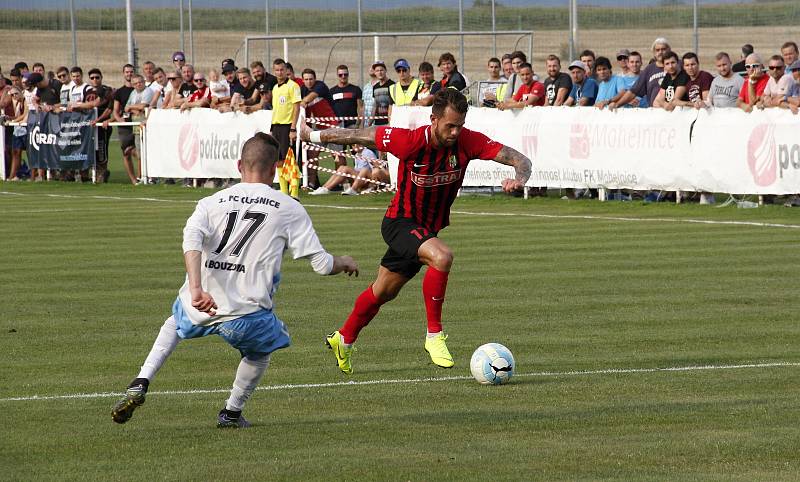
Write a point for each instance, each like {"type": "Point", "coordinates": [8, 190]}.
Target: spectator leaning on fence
{"type": "Point", "coordinates": [264, 82]}
{"type": "Point", "coordinates": [201, 97]}
{"type": "Point", "coordinates": [756, 81]}
{"type": "Point", "coordinates": [634, 70]}
{"type": "Point", "coordinates": [649, 82]}
{"type": "Point", "coordinates": [792, 99]}
{"type": "Point", "coordinates": [137, 105]}
{"type": "Point", "coordinates": [512, 84]}
{"type": "Point", "coordinates": [778, 84]}
{"type": "Point", "coordinates": [158, 87]}
{"type": "Point", "coordinates": [699, 84]}
{"type": "Point", "coordinates": [610, 87]}
{"type": "Point", "coordinates": [62, 86]}
{"type": "Point", "coordinates": [149, 73]}
{"type": "Point", "coordinates": [426, 80]}
{"type": "Point", "coordinates": [726, 85]}
{"type": "Point", "coordinates": [557, 85]}
{"type": "Point", "coordinates": [584, 88]}
{"type": "Point", "coordinates": [674, 90]}
{"type": "Point", "coordinates": [171, 98]}
{"type": "Point", "coordinates": [529, 93]}
{"type": "Point", "coordinates": [244, 95]}
{"type": "Point", "coordinates": [508, 69]}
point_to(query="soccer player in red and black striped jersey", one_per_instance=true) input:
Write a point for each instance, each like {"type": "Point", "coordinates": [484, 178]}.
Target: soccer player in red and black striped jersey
{"type": "Point", "coordinates": [433, 161]}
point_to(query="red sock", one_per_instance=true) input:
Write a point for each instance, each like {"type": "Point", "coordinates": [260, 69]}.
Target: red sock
{"type": "Point", "coordinates": [364, 311]}
{"type": "Point", "coordinates": [434, 286]}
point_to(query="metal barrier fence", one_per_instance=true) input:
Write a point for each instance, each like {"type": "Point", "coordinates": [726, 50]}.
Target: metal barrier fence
{"type": "Point", "coordinates": [43, 30]}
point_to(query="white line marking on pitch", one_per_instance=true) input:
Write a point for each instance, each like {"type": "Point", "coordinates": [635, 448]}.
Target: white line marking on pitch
{"type": "Point", "coordinates": [608, 371]}
{"type": "Point", "coordinates": [466, 213]}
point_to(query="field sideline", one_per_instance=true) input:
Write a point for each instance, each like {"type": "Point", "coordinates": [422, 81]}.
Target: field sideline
{"type": "Point", "coordinates": [653, 342]}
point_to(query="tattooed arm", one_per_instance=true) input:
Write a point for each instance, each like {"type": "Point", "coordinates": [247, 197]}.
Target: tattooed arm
{"type": "Point", "coordinates": [364, 137]}
{"type": "Point", "coordinates": [520, 163]}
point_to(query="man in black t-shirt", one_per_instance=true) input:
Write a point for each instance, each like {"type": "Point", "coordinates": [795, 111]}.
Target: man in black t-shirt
{"type": "Point", "coordinates": [244, 95]}
{"type": "Point", "coordinates": [124, 133]}
{"type": "Point", "coordinates": [187, 88]}
{"type": "Point", "coordinates": [673, 92]}
{"type": "Point", "coordinates": [558, 84]}
{"type": "Point", "coordinates": [346, 98]}
{"type": "Point", "coordinates": [48, 98]}
{"type": "Point", "coordinates": [104, 112]}
{"type": "Point", "coordinates": [264, 82]}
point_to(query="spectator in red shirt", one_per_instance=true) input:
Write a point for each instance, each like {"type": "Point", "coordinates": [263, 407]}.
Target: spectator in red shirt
{"type": "Point", "coordinates": [201, 97]}
{"type": "Point", "coordinates": [530, 93]}
{"type": "Point", "coordinates": [753, 89]}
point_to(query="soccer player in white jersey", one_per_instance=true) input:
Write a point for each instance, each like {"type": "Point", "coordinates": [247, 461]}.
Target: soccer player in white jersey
{"type": "Point", "coordinates": [232, 246]}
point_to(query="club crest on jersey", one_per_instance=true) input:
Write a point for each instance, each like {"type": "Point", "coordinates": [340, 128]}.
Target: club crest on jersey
{"type": "Point", "coordinates": [453, 161]}
{"type": "Point", "coordinates": [437, 179]}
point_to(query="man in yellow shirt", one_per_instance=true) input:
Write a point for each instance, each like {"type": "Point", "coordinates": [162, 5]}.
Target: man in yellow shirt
{"type": "Point", "coordinates": [285, 108]}
{"type": "Point", "coordinates": [406, 90]}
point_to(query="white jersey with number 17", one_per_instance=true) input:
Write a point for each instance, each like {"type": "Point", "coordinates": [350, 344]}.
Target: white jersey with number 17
{"type": "Point", "coordinates": [242, 233]}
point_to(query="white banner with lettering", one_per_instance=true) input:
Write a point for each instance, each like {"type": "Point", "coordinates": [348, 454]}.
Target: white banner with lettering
{"type": "Point", "coordinates": [722, 150]}
{"type": "Point", "coordinates": [200, 143]}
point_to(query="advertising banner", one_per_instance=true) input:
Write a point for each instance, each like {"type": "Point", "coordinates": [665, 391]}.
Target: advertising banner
{"type": "Point", "coordinates": [200, 143]}
{"type": "Point", "coordinates": [65, 140]}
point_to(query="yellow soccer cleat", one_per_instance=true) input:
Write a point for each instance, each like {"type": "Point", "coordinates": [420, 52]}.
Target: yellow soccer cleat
{"type": "Point", "coordinates": [342, 352]}
{"type": "Point", "coordinates": [438, 351]}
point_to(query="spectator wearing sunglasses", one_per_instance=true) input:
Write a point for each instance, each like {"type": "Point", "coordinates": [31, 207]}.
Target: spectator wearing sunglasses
{"type": "Point", "coordinates": [105, 95]}
{"type": "Point", "coordinates": [756, 81]}
{"type": "Point", "coordinates": [406, 90]}
{"type": "Point", "coordinates": [778, 84]}
{"type": "Point", "coordinates": [201, 97]}
{"type": "Point", "coordinates": [171, 98]}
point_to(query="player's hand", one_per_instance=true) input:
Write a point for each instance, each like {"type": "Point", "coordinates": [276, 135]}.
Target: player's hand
{"type": "Point", "coordinates": [511, 185]}
{"type": "Point", "coordinates": [203, 301]}
{"type": "Point", "coordinates": [304, 131]}
{"type": "Point", "coordinates": [348, 265]}
{"type": "Point", "coordinates": [292, 137]}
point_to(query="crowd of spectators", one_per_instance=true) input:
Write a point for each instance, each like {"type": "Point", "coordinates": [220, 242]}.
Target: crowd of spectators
{"type": "Point", "coordinates": [661, 79]}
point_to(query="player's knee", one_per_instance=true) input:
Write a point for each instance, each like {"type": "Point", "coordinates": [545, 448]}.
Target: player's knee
{"type": "Point", "coordinates": [442, 259]}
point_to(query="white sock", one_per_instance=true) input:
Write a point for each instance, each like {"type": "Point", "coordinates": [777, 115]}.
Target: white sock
{"type": "Point", "coordinates": [341, 340]}
{"type": "Point", "coordinates": [165, 343]}
{"type": "Point", "coordinates": [248, 375]}
{"type": "Point", "coordinates": [434, 335]}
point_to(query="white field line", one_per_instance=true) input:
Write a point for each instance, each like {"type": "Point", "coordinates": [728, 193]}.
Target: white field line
{"type": "Point", "coordinates": [409, 381]}
{"type": "Point", "coordinates": [466, 213]}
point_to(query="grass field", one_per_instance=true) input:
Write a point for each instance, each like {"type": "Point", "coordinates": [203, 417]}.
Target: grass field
{"type": "Point", "coordinates": [590, 297]}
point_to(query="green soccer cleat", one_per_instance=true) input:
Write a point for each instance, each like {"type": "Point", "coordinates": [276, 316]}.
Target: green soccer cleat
{"type": "Point", "coordinates": [438, 351]}
{"type": "Point", "coordinates": [342, 352]}
{"type": "Point", "coordinates": [134, 397]}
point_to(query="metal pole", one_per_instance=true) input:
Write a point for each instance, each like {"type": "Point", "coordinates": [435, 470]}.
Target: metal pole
{"type": "Point", "coordinates": [74, 32]}
{"type": "Point", "coordinates": [494, 29]}
{"type": "Point", "coordinates": [575, 25]}
{"type": "Point", "coordinates": [696, 32]}
{"type": "Point", "coordinates": [376, 44]}
{"type": "Point", "coordinates": [180, 16]}
{"type": "Point", "coordinates": [266, 21]}
{"type": "Point", "coordinates": [571, 38]}
{"type": "Point", "coordinates": [191, 33]}
{"type": "Point", "coordinates": [286, 50]}
{"type": "Point", "coordinates": [129, 23]}
{"type": "Point", "coordinates": [461, 29]}
{"type": "Point", "coordinates": [360, 47]}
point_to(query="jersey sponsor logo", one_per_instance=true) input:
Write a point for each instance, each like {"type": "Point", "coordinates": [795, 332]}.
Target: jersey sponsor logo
{"type": "Point", "coordinates": [453, 161]}
{"type": "Point", "coordinates": [437, 179]}
{"type": "Point", "coordinates": [224, 266]}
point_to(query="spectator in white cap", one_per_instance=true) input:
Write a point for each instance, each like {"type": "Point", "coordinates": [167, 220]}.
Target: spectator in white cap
{"type": "Point", "coordinates": [649, 82]}
{"type": "Point", "coordinates": [584, 88]}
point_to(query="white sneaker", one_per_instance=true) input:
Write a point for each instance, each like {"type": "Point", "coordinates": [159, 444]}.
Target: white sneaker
{"type": "Point", "coordinates": [350, 192]}
{"type": "Point", "coordinates": [320, 191]}
{"type": "Point", "coordinates": [707, 199]}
